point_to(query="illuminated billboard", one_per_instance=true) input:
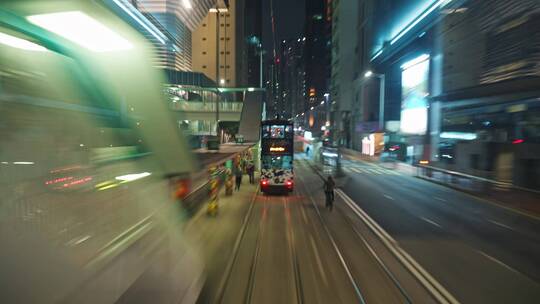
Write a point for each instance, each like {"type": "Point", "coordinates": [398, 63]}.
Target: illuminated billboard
{"type": "Point", "coordinates": [414, 88]}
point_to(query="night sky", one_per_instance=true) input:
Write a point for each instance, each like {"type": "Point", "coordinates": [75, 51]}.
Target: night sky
{"type": "Point", "coordinates": [289, 16]}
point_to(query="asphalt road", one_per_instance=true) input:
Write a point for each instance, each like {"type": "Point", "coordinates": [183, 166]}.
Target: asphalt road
{"type": "Point", "coordinates": [480, 252]}
{"type": "Point", "coordinates": [293, 250]}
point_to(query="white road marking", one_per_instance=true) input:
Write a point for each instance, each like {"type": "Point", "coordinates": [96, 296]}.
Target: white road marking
{"type": "Point", "coordinates": [318, 259]}
{"type": "Point", "coordinates": [388, 196]}
{"type": "Point", "coordinates": [497, 261]}
{"type": "Point", "coordinates": [500, 224]}
{"type": "Point", "coordinates": [82, 240]}
{"type": "Point", "coordinates": [439, 199]}
{"type": "Point", "coordinates": [77, 241]}
{"type": "Point", "coordinates": [431, 222]}
{"type": "Point", "coordinates": [436, 289]}
{"type": "Point", "coordinates": [304, 215]}
{"type": "Point", "coordinates": [357, 170]}
{"type": "Point", "coordinates": [376, 171]}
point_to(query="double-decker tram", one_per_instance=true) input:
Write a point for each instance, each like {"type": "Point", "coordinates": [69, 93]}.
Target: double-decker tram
{"type": "Point", "coordinates": [277, 142]}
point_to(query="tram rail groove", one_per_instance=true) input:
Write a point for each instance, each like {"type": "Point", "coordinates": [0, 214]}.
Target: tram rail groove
{"type": "Point", "coordinates": [294, 256]}
{"type": "Point", "coordinates": [253, 267]}
{"type": "Point", "coordinates": [437, 291]}
{"type": "Point", "coordinates": [228, 270]}
{"type": "Point", "coordinates": [340, 255]}
{"type": "Point", "coordinates": [374, 255]}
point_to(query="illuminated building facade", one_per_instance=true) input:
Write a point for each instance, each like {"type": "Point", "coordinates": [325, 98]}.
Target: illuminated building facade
{"type": "Point", "coordinates": [459, 81]}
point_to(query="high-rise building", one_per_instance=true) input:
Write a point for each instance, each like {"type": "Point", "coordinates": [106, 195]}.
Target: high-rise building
{"type": "Point", "coordinates": [348, 59]}
{"type": "Point", "coordinates": [179, 19]}
{"type": "Point", "coordinates": [218, 44]}
{"type": "Point", "coordinates": [253, 35]}
{"type": "Point", "coordinates": [317, 49]}
{"type": "Point", "coordinates": [291, 94]}
{"type": "Point", "coordinates": [317, 31]}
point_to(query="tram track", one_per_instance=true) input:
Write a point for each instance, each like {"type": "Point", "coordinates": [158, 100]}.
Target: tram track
{"type": "Point", "coordinates": [293, 252]}
{"type": "Point", "coordinates": [358, 292]}
{"type": "Point", "coordinates": [434, 289]}
{"type": "Point", "coordinates": [257, 254]}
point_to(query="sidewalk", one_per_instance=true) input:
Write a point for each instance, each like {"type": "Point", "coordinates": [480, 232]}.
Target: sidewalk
{"type": "Point", "coordinates": [216, 235]}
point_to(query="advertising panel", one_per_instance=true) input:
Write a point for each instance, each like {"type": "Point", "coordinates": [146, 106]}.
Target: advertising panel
{"type": "Point", "coordinates": [414, 87]}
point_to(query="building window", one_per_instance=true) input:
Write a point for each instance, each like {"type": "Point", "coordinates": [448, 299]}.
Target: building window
{"type": "Point", "coordinates": [228, 38]}
{"type": "Point", "coordinates": [203, 38]}
{"type": "Point", "coordinates": [204, 24]}
{"type": "Point", "coordinates": [204, 53]}
{"type": "Point", "coordinates": [221, 52]}
{"type": "Point", "coordinates": [221, 67]}
{"type": "Point", "coordinates": [228, 80]}
{"type": "Point", "coordinates": [228, 66]}
{"type": "Point", "coordinates": [221, 15]}
{"type": "Point", "coordinates": [228, 53]}
{"type": "Point", "coordinates": [221, 38]}
{"type": "Point", "coordinates": [222, 25]}
{"type": "Point", "coordinates": [228, 24]}
{"type": "Point", "coordinates": [204, 67]}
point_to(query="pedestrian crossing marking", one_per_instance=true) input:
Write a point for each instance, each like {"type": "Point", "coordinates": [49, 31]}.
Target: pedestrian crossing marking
{"type": "Point", "coordinates": [363, 170]}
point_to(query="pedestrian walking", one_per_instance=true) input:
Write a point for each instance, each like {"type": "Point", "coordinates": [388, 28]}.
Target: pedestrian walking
{"type": "Point", "coordinates": [238, 174]}
{"type": "Point", "coordinates": [329, 186]}
{"type": "Point", "coordinates": [251, 172]}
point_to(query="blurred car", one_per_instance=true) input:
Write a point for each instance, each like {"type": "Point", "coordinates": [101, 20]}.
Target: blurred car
{"type": "Point", "coordinates": [86, 213]}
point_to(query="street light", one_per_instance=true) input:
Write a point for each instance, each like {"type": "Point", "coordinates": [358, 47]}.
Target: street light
{"type": "Point", "coordinates": [370, 74]}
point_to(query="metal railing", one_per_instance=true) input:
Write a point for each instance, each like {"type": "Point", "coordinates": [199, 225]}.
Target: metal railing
{"type": "Point", "coordinates": [471, 183]}
{"type": "Point", "coordinates": [195, 106]}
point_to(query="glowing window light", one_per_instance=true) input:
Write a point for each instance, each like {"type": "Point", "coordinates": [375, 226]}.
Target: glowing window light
{"type": "Point", "coordinates": [379, 53]}
{"type": "Point", "coordinates": [436, 4]}
{"type": "Point", "coordinates": [414, 121]}
{"type": "Point", "coordinates": [23, 163]}
{"type": "Point", "coordinates": [458, 135]}
{"type": "Point", "coordinates": [83, 30]}
{"type": "Point", "coordinates": [433, 7]}
{"type": "Point", "coordinates": [187, 4]}
{"type": "Point", "coordinates": [329, 154]}
{"type": "Point", "coordinates": [132, 177]}
{"type": "Point", "coordinates": [133, 13]}
{"type": "Point", "coordinates": [415, 61]}
{"type": "Point", "coordinates": [20, 43]}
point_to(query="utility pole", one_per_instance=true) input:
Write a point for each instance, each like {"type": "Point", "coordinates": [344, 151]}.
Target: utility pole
{"type": "Point", "coordinates": [260, 66]}
{"type": "Point", "coordinates": [218, 81]}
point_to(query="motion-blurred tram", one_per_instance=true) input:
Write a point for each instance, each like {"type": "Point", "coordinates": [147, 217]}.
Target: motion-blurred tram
{"type": "Point", "coordinates": [277, 153]}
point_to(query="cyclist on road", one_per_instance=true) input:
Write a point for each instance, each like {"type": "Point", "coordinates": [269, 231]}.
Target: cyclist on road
{"type": "Point", "coordinates": [329, 186]}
